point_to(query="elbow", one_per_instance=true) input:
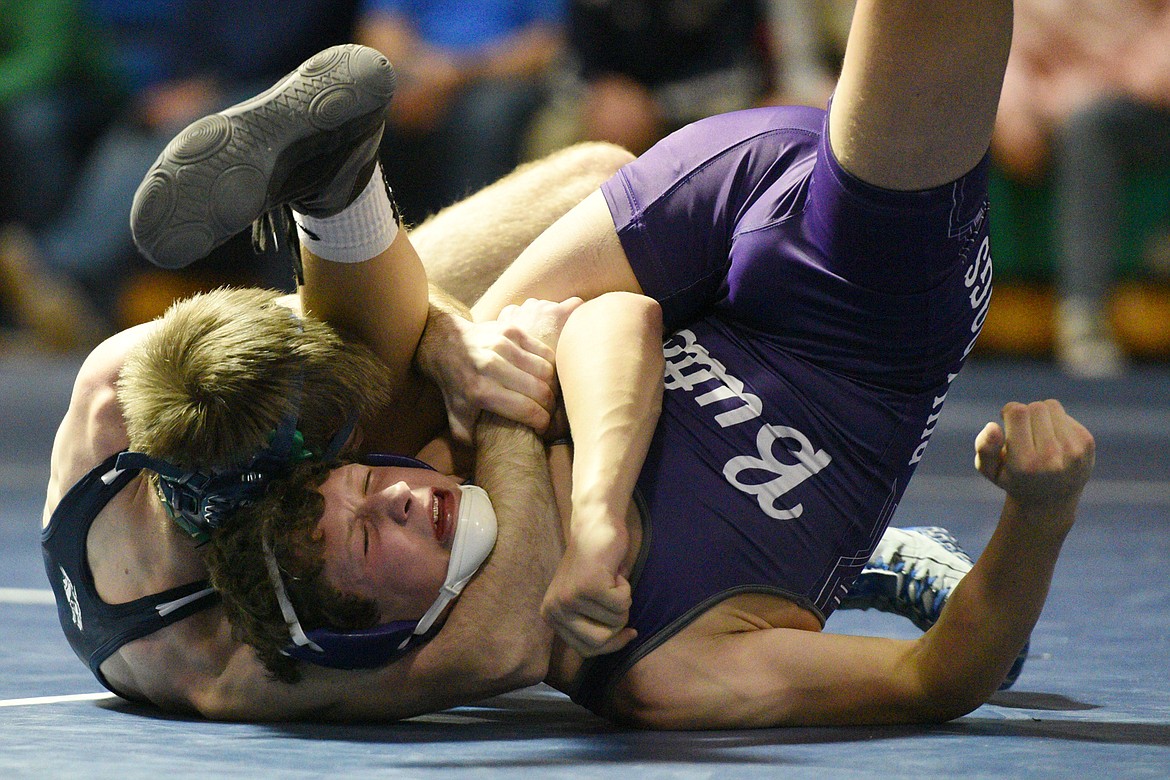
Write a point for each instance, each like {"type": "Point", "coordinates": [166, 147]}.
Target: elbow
{"type": "Point", "coordinates": [509, 662]}
{"type": "Point", "coordinates": [502, 676]}
{"type": "Point", "coordinates": [528, 672]}
{"type": "Point", "coordinates": [953, 698]}
{"type": "Point", "coordinates": [217, 705]}
{"type": "Point", "coordinates": [226, 702]}
{"type": "Point", "coordinates": [648, 310]}
{"type": "Point", "coordinates": [519, 666]}
{"type": "Point", "coordinates": [943, 708]}
{"type": "Point", "coordinates": [642, 315]}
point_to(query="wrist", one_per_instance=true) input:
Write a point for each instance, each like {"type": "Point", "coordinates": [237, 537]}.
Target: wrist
{"type": "Point", "coordinates": [493, 431]}
{"type": "Point", "coordinates": [443, 329]}
{"type": "Point", "coordinates": [596, 525]}
{"type": "Point", "coordinates": [1041, 523]}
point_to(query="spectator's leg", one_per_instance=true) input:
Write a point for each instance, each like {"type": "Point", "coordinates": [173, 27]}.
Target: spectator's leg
{"type": "Point", "coordinates": [1094, 152]}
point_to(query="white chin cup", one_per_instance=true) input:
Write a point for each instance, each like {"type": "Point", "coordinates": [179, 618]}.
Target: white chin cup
{"type": "Point", "coordinates": [475, 536]}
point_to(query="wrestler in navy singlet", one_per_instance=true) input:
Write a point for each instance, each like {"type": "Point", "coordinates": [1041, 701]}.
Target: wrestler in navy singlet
{"type": "Point", "coordinates": [816, 323]}
{"type": "Point", "coordinates": [95, 629]}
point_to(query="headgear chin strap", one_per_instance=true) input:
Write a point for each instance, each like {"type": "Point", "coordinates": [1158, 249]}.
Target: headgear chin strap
{"type": "Point", "coordinates": [475, 536]}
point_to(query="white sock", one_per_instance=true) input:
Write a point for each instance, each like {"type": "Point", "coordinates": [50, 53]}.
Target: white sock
{"type": "Point", "coordinates": [362, 230]}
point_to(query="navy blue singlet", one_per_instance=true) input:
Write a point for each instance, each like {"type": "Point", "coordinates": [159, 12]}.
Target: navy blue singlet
{"type": "Point", "coordinates": [94, 628]}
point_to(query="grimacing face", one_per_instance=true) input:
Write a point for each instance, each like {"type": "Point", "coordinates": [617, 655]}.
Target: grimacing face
{"type": "Point", "coordinates": [388, 532]}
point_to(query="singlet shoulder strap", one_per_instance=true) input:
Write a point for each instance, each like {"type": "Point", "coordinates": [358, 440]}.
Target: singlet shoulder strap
{"type": "Point", "coordinates": [95, 629]}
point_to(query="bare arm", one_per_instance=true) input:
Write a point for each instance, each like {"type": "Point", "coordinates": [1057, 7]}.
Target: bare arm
{"type": "Point", "coordinates": [92, 428]}
{"type": "Point", "coordinates": [424, 336]}
{"type": "Point", "coordinates": [610, 363]}
{"type": "Point", "coordinates": [916, 101]}
{"type": "Point", "coordinates": [579, 255]}
{"type": "Point", "coordinates": [1042, 458]}
{"type": "Point", "coordinates": [486, 365]}
{"type": "Point", "coordinates": [493, 640]}
{"type": "Point", "coordinates": [466, 246]}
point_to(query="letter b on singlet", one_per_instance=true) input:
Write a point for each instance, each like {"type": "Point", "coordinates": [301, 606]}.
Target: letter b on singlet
{"type": "Point", "coordinates": [768, 493]}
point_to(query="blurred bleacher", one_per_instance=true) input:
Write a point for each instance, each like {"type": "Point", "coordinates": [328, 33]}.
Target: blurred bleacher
{"type": "Point", "coordinates": [1021, 320]}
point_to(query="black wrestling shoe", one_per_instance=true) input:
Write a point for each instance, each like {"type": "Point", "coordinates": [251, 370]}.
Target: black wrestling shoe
{"type": "Point", "coordinates": [310, 141]}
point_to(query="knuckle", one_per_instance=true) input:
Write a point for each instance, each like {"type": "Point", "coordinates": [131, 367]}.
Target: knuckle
{"type": "Point", "coordinates": [510, 333]}
{"type": "Point", "coordinates": [474, 389]}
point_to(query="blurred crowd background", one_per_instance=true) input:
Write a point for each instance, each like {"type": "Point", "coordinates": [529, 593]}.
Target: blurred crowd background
{"type": "Point", "coordinates": [92, 90]}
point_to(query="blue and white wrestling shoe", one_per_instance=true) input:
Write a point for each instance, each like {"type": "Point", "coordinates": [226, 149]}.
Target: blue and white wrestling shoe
{"type": "Point", "coordinates": [912, 573]}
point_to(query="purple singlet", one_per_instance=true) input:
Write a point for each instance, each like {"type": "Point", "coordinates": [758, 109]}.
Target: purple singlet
{"type": "Point", "coordinates": [816, 322]}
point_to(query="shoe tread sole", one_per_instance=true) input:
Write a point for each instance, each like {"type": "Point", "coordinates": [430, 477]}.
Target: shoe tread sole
{"type": "Point", "coordinates": [224, 170]}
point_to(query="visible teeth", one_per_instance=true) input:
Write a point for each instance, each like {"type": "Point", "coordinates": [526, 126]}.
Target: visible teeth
{"type": "Point", "coordinates": [435, 512]}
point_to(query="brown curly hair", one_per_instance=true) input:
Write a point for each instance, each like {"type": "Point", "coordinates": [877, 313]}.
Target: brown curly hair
{"type": "Point", "coordinates": [287, 518]}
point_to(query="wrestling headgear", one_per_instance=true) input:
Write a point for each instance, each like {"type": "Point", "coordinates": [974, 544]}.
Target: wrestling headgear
{"type": "Point", "coordinates": [200, 501]}
{"type": "Point", "coordinates": [475, 536]}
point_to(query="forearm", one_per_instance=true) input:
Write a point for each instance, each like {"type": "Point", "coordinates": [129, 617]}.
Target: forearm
{"type": "Point", "coordinates": [441, 334]}
{"type": "Point", "coordinates": [992, 612]}
{"type": "Point", "coordinates": [503, 602]}
{"type": "Point", "coordinates": [610, 364]}
{"type": "Point", "coordinates": [493, 639]}
{"type": "Point", "coordinates": [580, 254]}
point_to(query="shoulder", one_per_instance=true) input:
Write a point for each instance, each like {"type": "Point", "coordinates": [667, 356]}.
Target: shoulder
{"type": "Point", "coordinates": [196, 667]}
{"type": "Point", "coordinates": [93, 404]}
{"type": "Point", "coordinates": [92, 428]}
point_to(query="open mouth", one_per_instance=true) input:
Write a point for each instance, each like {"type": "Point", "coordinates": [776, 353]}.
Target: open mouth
{"type": "Point", "coordinates": [442, 515]}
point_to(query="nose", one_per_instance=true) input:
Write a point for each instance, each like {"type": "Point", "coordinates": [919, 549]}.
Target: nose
{"type": "Point", "coordinates": [395, 502]}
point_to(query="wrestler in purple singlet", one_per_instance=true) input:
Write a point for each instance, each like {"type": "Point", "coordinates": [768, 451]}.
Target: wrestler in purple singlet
{"type": "Point", "coordinates": [816, 322]}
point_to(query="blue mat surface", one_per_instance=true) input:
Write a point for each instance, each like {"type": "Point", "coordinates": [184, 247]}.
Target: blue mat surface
{"type": "Point", "coordinates": [1093, 700]}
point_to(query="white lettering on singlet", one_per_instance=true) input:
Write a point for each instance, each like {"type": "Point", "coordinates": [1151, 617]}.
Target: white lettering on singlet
{"type": "Point", "coordinates": [809, 461]}
{"type": "Point", "coordinates": [978, 282]}
{"type": "Point", "coordinates": [71, 597]}
{"type": "Point", "coordinates": [688, 365]}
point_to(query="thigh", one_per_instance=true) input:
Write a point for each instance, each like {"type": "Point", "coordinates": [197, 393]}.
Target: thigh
{"type": "Point", "coordinates": [750, 217]}
{"type": "Point", "coordinates": [466, 247]}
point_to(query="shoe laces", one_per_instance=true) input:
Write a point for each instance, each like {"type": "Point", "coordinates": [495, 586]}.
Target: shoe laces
{"type": "Point", "coordinates": [925, 582]}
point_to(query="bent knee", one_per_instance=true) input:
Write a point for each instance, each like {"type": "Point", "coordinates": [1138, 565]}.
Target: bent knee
{"type": "Point", "coordinates": [598, 159]}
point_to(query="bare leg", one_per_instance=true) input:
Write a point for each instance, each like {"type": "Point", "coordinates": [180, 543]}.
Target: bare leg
{"type": "Point", "coordinates": [465, 247]}
{"type": "Point", "coordinates": [580, 254]}
{"type": "Point", "coordinates": [361, 274]}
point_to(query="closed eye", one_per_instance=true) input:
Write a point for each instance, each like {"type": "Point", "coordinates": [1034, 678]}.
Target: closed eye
{"type": "Point", "coordinates": [365, 526]}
